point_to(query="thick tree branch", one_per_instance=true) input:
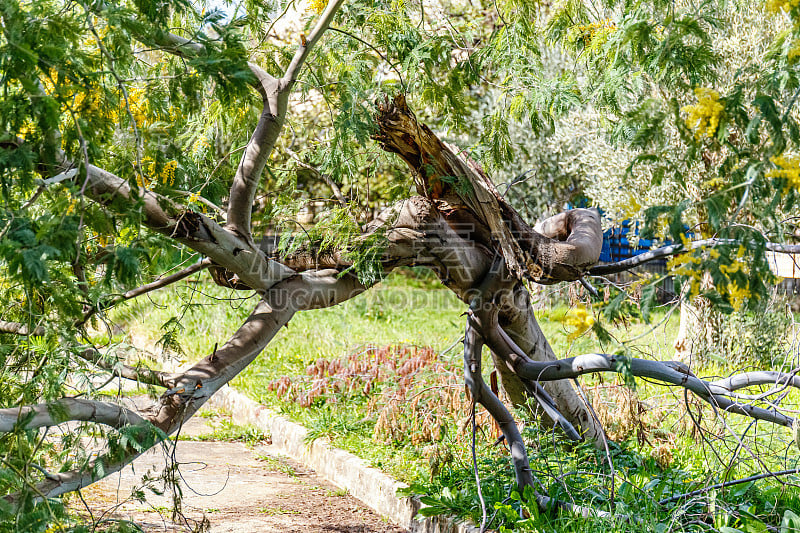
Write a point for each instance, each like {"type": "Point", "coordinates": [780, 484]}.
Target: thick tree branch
{"type": "Point", "coordinates": [458, 184]}
{"type": "Point", "coordinates": [67, 409]}
{"type": "Point", "coordinates": [275, 95]}
{"type": "Point", "coordinates": [195, 230]}
{"type": "Point", "coordinates": [670, 372]}
{"type": "Point", "coordinates": [414, 234]}
{"type": "Point", "coordinates": [309, 290]}
{"type": "Point", "coordinates": [717, 393]}
{"type": "Point", "coordinates": [779, 380]}
{"type": "Point", "coordinates": [484, 396]}
{"type": "Point", "coordinates": [17, 328]}
{"type": "Point", "coordinates": [581, 236]}
{"type": "Point", "coordinates": [302, 53]}
{"type": "Point", "coordinates": [483, 310]}
{"type": "Point", "coordinates": [188, 395]}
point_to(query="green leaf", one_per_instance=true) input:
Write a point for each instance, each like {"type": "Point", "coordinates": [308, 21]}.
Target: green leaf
{"type": "Point", "coordinates": [622, 365]}
{"type": "Point", "coordinates": [790, 523]}
{"type": "Point", "coordinates": [648, 301]}
{"type": "Point", "coordinates": [612, 310]}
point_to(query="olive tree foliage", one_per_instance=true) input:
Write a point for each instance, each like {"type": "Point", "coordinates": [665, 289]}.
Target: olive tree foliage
{"type": "Point", "coordinates": [144, 141]}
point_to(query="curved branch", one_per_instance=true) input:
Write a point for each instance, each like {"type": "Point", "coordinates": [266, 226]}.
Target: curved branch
{"type": "Point", "coordinates": [194, 230]}
{"type": "Point", "coordinates": [669, 372]}
{"type": "Point", "coordinates": [413, 233]}
{"type": "Point", "coordinates": [275, 94]}
{"type": "Point", "coordinates": [779, 380]}
{"type": "Point", "coordinates": [308, 44]}
{"type": "Point", "coordinates": [580, 232]}
{"type": "Point", "coordinates": [761, 377]}
{"type": "Point", "coordinates": [484, 395]}
{"type": "Point", "coordinates": [717, 393]}
{"type": "Point", "coordinates": [67, 409]}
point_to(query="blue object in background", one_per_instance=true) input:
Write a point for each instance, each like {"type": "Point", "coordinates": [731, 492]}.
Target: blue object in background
{"type": "Point", "coordinates": [617, 247]}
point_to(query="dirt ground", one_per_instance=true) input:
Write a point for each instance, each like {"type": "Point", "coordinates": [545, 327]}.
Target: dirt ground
{"type": "Point", "coordinates": [228, 487]}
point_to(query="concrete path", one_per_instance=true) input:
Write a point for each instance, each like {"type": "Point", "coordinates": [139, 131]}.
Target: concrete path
{"type": "Point", "coordinates": [227, 487]}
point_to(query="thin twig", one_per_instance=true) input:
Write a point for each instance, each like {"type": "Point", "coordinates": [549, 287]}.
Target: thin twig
{"type": "Point", "coordinates": [728, 484]}
{"type": "Point", "coordinates": [385, 59]}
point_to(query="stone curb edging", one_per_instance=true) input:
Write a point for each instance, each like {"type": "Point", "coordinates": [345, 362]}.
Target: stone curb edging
{"type": "Point", "coordinates": [370, 485]}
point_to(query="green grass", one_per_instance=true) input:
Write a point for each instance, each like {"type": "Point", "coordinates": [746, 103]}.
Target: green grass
{"type": "Point", "coordinates": [274, 464]}
{"type": "Point", "coordinates": [418, 311]}
{"type": "Point", "coordinates": [226, 430]}
{"type": "Point", "coordinates": [387, 314]}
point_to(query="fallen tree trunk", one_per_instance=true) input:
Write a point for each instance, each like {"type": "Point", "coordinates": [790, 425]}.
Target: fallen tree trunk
{"type": "Point", "coordinates": [460, 191]}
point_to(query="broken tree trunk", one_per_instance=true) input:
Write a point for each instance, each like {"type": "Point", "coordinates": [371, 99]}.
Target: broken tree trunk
{"type": "Point", "coordinates": [462, 194]}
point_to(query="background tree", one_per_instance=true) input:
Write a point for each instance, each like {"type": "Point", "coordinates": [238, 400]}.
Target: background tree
{"type": "Point", "coordinates": [141, 137]}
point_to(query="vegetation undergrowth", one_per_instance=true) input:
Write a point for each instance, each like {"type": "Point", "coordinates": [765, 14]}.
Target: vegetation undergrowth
{"type": "Point", "coordinates": [387, 384]}
{"type": "Point", "coordinates": [227, 430]}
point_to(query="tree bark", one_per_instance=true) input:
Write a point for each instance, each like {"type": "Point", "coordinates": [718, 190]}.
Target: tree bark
{"type": "Point", "coordinates": [518, 320]}
{"type": "Point", "coordinates": [570, 243]}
